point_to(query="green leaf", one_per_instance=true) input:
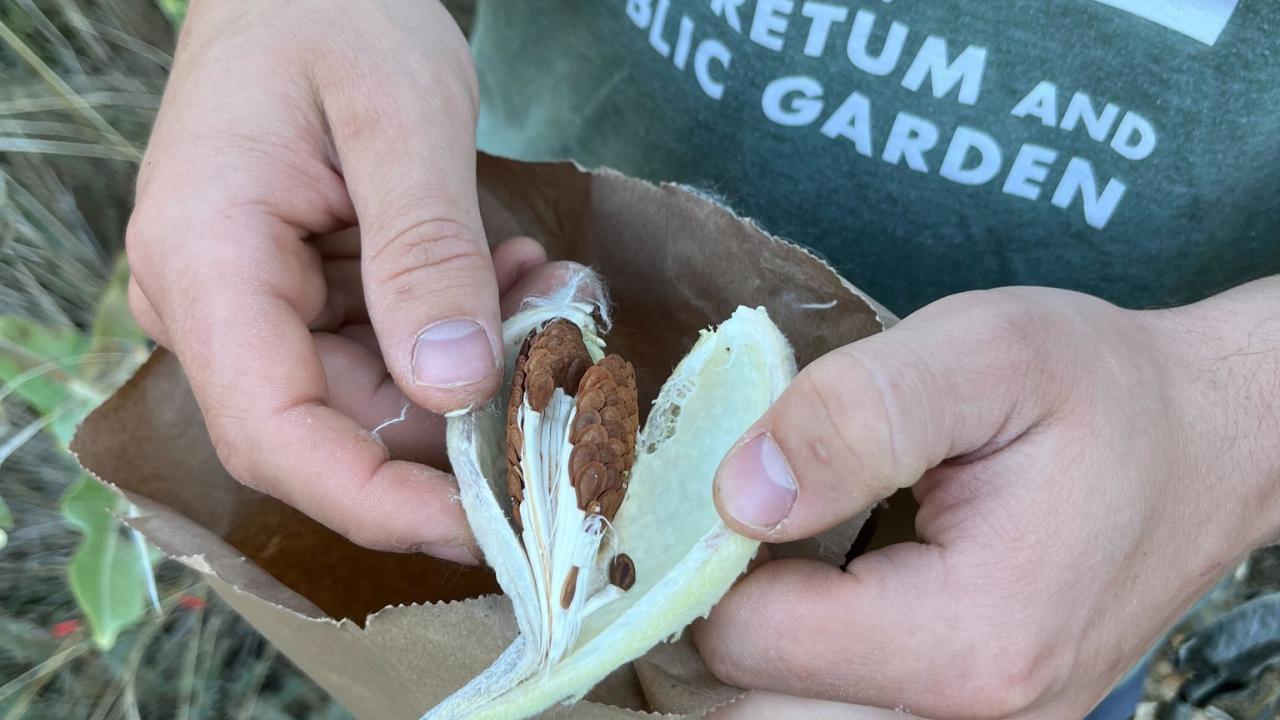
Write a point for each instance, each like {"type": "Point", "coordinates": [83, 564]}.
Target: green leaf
{"type": "Point", "coordinates": [61, 373]}
{"type": "Point", "coordinates": [26, 346]}
{"type": "Point", "coordinates": [107, 574]}
{"type": "Point", "coordinates": [39, 364]}
{"type": "Point", "coordinates": [114, 329]}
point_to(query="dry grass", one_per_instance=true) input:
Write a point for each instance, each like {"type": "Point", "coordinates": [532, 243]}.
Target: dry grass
{"type": "Point", "coordinates": [79, 84]}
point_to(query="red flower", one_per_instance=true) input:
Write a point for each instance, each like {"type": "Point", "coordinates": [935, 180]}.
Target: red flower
{"type": "Point", "coordinates": [65, 628]}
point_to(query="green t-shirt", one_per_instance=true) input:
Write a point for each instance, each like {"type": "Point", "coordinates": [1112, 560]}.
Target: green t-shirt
{"type": "Point", "coordinates": [1125, 148]}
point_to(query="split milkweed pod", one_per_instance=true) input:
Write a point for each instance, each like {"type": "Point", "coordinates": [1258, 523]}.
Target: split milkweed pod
{"type": "Point", "coordinates": [603, 534]}
{"type": "Point", "coordinates": [571, 439]}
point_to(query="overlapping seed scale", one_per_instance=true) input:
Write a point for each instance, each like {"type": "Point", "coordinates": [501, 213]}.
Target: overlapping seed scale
{"type": "Point", "coordinates": [557, 358]}
{"type": "Point", "coordinates": [515, 438]}
{"type": "Point", "coordinates": [604, 435]}
{"type": "Point", "coordinates": [550, 358]}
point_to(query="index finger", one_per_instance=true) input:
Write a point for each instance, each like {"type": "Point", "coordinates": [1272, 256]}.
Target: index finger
{"type": "Point", "coordinates": [406, 144]}
{"type": "Point", "coordinates": [236, 302]}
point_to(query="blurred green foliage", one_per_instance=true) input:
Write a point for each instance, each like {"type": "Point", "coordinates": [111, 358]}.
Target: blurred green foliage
{"type": "Point", "coordinates": [80, 81]}
{"type": "Point", "coordinates": [34, 361]}
{"type": "Point", "coordinates": [175, 10]}
{"type": "Point", "coordinates": [110, 571]}
{"type": "Point", "coordinates": [62, 374]}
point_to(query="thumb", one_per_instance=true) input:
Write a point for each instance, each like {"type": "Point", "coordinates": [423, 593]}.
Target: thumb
{"type": "Point", "coordinates": [963, 375]}
{"type": "Point", "coordinates": [766, 705]}
{"type": "Point", "coordinates": [406, 143]}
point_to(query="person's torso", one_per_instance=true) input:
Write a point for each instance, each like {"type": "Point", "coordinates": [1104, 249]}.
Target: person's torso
{"type": "Point", "coordinates": [1125, 148]}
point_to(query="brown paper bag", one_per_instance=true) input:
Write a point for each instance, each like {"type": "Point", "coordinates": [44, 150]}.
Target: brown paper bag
{"type": "Point", "coordinates": [390, 635]}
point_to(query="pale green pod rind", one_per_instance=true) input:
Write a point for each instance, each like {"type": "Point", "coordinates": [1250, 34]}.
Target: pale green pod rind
{"type": "Point", "coordinates": [471, 439]}
{"type": "Point", "coordinates": [712, 566]}
{"type": "Point", "coordinates": [685, 557]}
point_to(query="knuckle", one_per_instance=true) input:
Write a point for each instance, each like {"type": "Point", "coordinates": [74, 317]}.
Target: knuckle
{"type": "Point", "coordinates": [233, 445]}
{"type": "Point", "coordinates": [230, 452]}
{"type": "Point", "coordinates": [1002, 317]}
{"type": "Point", "coordinates": [1016, 334]}
{"type": "Point", "coordinates": [822, 398]}
{"type": "Point", "coordinates": [848, 401]}
{"type": "Point", "coordinates": [139, 307]}
{"type": "Point", "coordinates": [1001, 683]}
{"type": "Point", "coordinates": [155, 227]}
{"type": "Point", "coordinates": [138, 233]}
{"type": "Point", "coordinates": [144, 314]}
{"type": "Point", "coordinates": [427, 246]}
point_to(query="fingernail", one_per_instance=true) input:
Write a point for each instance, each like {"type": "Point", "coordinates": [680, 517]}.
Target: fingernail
{"type": "Point", "coordinates": [454, 553]}
{"type": "Point", "coordinates": [452, 354]}
{"type": "Point", "coordinates": [755, 484]}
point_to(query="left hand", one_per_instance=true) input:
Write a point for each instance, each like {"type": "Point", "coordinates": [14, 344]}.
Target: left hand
{"type": "Point", "coordinates": [1084, 474]}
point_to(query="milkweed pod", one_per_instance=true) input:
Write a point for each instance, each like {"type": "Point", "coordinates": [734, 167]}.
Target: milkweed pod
{"type": "Point", "coordinates": [637, 550]}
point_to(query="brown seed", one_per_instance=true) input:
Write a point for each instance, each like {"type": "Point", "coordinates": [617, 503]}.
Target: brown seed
{"type": "Point", "coordinates": [610, 501]}
{"type": "Point", "coordinates": [612, 414]}
{"type": "Point", "coordinates": [581, 456]}
{"type": "Point", "coordinates": [573, 374]}
{"type": "Point", "coordinates": [614, 429]}
{"type": "Point", "coordinates": [622, 571]}
{"type": "Point", "coordinates": [515, 483]}
{"type": "Point", "coordinates": [606, 420]}
{"type": "Point", "coordinates": [593, 434]}
{"type": "Point", "coordinates": [592, 380]}
{"type": "Point", "coordinates": [590, 399]}
{"type": "Point", "coordinates": [515, 438]}
{"type": "Point", "coordinates": [559, 350]}
{"type": "Point", "coordinates": [581, 422]}
{"type": "Point", "coordinates": [607, 455]}
{"type": "Point", "coordinates": [570, 587]}
{"type": "Point", "coordinates": [590, 482]}
{"type": "Point", "coordinates": [538, 391]}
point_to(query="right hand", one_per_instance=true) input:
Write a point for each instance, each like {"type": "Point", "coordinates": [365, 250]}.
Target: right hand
{"type": "Point", "coordinates": [282, 125]}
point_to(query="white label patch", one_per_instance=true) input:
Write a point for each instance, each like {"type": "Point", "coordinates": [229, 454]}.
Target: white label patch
{"type": "Point", "coordinates": [1201, 20]}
